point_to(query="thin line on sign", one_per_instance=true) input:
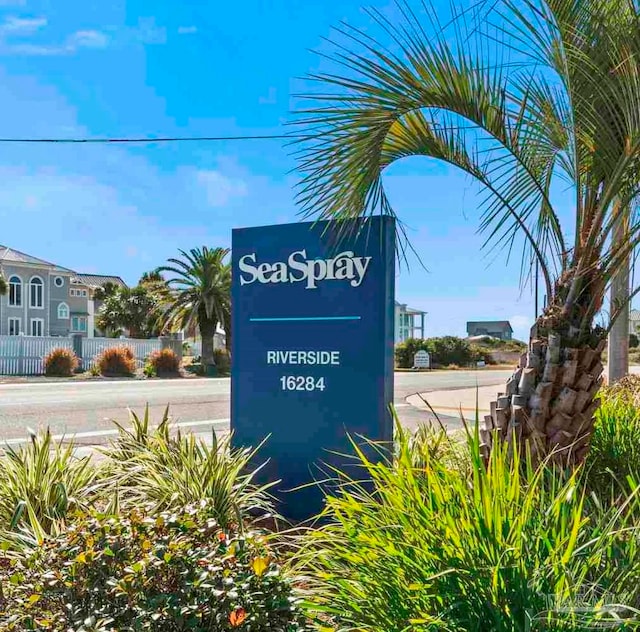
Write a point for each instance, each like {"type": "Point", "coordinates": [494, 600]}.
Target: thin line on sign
{"type": "Point", "coordinates": [302, 318]}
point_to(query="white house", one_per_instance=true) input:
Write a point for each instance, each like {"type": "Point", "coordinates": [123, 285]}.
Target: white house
{"type": "Point", "coordinates": [409, 323]}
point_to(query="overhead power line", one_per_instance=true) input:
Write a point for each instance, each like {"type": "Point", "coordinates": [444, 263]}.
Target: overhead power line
{"type": "Point", "coordinates": [183, 139]}
{"type": "Point", "coordinates": [162, 139]}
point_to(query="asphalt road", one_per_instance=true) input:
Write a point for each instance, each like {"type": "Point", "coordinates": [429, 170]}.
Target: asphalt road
{"type": "Point", "coordinates": [86, 409]}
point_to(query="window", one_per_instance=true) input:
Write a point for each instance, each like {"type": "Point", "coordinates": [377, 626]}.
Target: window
{"type": "Point", "coordinates": [15, 291]}
{"type": "Point", "coordinates": [36, 293]}
{"type": "Point", "coordinates": [15, 325]}
{"type": "Point", "coordinates": [79, 324]}
{"type": "Point", "coordinates": [84, 293]}
{"type": "Point", "coordinates": [78, 293]}
{"type": "Point", "coordinates": [73, 291]}
{"type": "Point", "coordinates": [58, 281]}
{"type": "Point", "coordinates": [37, 327]}
{"type": "Point", "coordinates": [63, 311]}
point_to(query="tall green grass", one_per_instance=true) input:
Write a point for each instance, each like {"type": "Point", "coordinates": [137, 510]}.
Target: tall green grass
{"type": "Point", "coordinates": [435, 547]}
{"type": "Point", "coordinates": [614, 454]}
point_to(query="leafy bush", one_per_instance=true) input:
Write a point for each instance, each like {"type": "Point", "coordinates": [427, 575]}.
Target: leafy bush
{"type": "Point", "coordinates": [445, 351]}
{"type": "Point", "coordinates": [149, 370]}
{"type": "Point", "coordinates": [163, 363]}
{"type": "Point", "coordinates": [223, 361]}
{"type": "Point", "coordinates": [167, 572]}
{"type": "Point", "coordinates": [117, 361]}
{"type": "Point", "coordinates": [633, 341]}
{"type": "Point", "coordinates": [41, 484]}
{"type": "Point", "coordinates": [496, 344]}
{"type": "Point", "coordinates": [431, 547]}
{"type": "Point", "coordinates": [152, 466]}
{"type": "Point", "coordinates": [60, 362]}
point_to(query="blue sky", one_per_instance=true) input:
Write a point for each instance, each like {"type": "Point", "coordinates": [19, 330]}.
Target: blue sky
{"type": "Point", "coordinates": [160, 68]}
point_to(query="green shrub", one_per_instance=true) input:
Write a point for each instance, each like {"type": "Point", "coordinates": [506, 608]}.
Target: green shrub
{"type": "Point", "coordinates": [163, 363]}
{"type": "Point", "coordinates": [168, 572]}
{"type": "Point", "coordinates": [153, 466]}
{"type": "Point", "coordinates": [149, 370]}
{"type": "Point", "coordinates": [60, 362]}
{"type": "Point", "coordinates": [117, 361]}
{"type": "Point", "coordinates": [432, 547]}
{"type": "Point", "coordinates": [223, 361]}
{"type": "Point", "coordinates": [42, 483]}
{"type": "Point", "coordinates": [444, 351]}
{"type": "Point", "coordinates": [633, 341]}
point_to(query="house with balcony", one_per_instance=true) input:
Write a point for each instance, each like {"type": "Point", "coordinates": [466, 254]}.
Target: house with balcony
{"type": "Point", "coordinates": [409, 322]}
{"type": "Point", "coordinates": [45, 299]}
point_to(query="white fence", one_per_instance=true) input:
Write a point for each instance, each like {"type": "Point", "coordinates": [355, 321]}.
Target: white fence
{"type": "Point", "coordinates": [23, 355]}
{"type": "Point", "coordinates": [92, 347]}
{"type": "Point", "coordinates": [195, 347]}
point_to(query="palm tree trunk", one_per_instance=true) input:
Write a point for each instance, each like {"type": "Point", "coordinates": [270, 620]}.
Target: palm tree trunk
{"type": "Point", "coordinates": [549, 402]}
{"type": "Point", "coordinates": [227, 334]}
{"type": "Point", "coordinates": [618, 359]}
{"type": "Point", "coordinates": [618, 354]}
{"type": "Point", "coordinates": [207, 332]}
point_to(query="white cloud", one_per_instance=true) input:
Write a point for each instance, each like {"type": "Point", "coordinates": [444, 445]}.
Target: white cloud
{"type": "Point", "coordinates": [187, 30]}
{"type": "Point", "coordinates": [221, 189]}
{"type": "Point", "coordinates": [15, 26]}
{"type": "Point", "coordinates": [88, 39]}
{"type": "Point", "coordinates": [35, 50]}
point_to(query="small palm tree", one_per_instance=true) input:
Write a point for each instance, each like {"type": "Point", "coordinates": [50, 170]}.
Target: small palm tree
{"type": "Point", "coordinates": [4, 286]}
{"type": "Point", "coordinates": [199, 293]}
{"type": "Point", "coordinates": [533, 96]}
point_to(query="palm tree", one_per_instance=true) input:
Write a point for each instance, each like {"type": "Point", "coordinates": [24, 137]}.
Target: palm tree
{"type": "Point", "coordinates": [199, 293]}
{"type": "Point", "coordinates": [4, 286]}
{"type": "Point", "coordinates": [533, 96]}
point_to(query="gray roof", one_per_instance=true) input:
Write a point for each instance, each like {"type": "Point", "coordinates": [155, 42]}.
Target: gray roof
{"type": "Point", "coordinates": [98, 280]}
{"type": "Point", "coordinates": [634, 314]}
{"type": "Point", "coordinates": [9, 255]}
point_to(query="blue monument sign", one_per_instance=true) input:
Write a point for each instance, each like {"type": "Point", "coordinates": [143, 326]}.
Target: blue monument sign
{"type": "Point", "coordinates": [312, 354]}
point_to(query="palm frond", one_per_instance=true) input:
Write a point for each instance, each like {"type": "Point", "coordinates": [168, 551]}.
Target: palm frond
{"type": "Point", "coordinates": [532, 93]}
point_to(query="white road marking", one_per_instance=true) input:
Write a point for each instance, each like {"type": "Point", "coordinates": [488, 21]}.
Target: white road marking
{"type": "Point", "coordinates": [128, 382]}
{"type": "Point", "coordinates": [114, 431]}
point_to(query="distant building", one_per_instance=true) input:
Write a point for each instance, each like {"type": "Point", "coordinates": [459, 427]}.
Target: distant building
{"type": "Point", "coordinates": [45, 299]}
{"type": "Point", "coordinates": [496, 328]}
{"type": "Point", "coordinates": [634, 321]}
{"type": "Point", "coordinates": [409, 323]}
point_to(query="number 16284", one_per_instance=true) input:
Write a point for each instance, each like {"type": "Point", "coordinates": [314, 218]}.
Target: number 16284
{"type": "Point", "coordinates": [301, 383]}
